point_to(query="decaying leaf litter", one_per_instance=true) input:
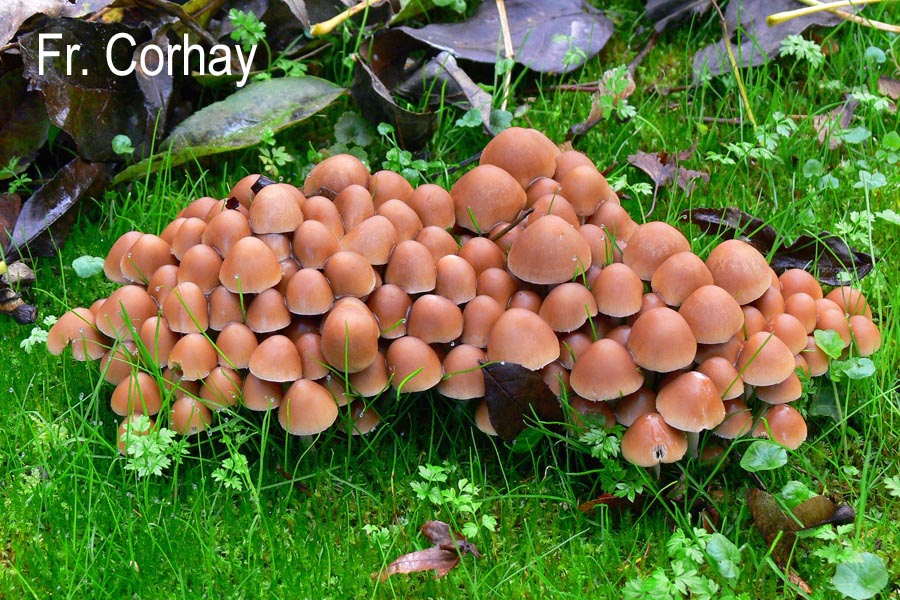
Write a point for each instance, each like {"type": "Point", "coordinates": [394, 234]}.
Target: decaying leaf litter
{"type": "Point", "coordinates": [28, 231]}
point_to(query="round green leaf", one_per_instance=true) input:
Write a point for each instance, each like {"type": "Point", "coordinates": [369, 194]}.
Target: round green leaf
{"type": "Point", "coordinates": [861, 579]}
{"type": "Point", "coordinates": [87, 266]}
{"type": "Point", "coordinates": [763, 455]}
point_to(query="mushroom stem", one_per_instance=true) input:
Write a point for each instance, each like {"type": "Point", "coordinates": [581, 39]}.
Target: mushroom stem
{"type": "Point", "coordinates": [693, 443]}
{"type": "Point", "coordinates": [656, 471]}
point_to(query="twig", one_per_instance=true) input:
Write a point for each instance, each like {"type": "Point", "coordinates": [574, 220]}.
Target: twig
{"type": "Point", "coordinates": [781, 17]}
{"type": "Point", "coordinates": [507, 50]}
{"type": "Point", "coordinates": [734, 64]}
{"type": "Point", "coordinates": [637, 60]}
{"type": "Point", "coordinates": [326, 27]}
{"type": "Point", "coordinates": [856, 18]}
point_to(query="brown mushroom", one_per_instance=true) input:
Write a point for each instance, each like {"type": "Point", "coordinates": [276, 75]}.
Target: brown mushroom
{"type": "Point", "coordinates": [662, 341]}
{"type": "Point", "coordinates": [549, 251]}
{"type": "Point", "coordinates": [740, 269]}
{"type": "Point", "coordinates": [413, 364]}
{"type": "Point", "coordinates": [650, 441]}
{"type": "Point", "coordinates": [519, 336]}
{"type": "Point", "coordinates": [605, 371]}
{"type": "Point", "coordinates": [485, 196]}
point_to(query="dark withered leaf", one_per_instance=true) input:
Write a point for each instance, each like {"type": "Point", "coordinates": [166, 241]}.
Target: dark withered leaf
{"type": "Point", "coordinates": [379, 70]}
{"type": "Point", "coordinates": [240, 120]}
{"type": "Point", "coordinates": [10, 207]}
{"type": "Point", "coordinates": [12, 304]}
{"type": "Point", "coordinates": [664, 168]}
{"type": "Point", "coordinates": [780, 528]}
{"type": "Point", "coordinates": [516, 396]}
{"type": "Point", "coordinates": [92, 105]}
{"type": "Point", "coordinates": [23, 121]}
{"type": "Point", "coordinates": [543, 34]}
{"type": "Point", "coordinates": [43, 223]}
{"type": "Point", "coordinates": [442, 557]}
{"type": "Point", "coordinates": [616, 504]}
{"type": "Point", "coordinates": [759, 41]}
{"type": "Point", "coordinates": [826, 256]}
{"type": "Point", "coordinates": [668, 12]}
{"type": "Point", "coordinates": [14, 14]}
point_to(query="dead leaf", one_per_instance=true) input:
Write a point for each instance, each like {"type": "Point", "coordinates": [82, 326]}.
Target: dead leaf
{"type": "Point", "coordinates": [599, 111]}
{"type": "Point", "coordinates": [759, 42]}
{"type": "Point", "coordinates": [10, 207]}
{"type": "Point", "coordinates": [96, 105]}
{"type": "Point", "coordinates": [667, 12]}
{"type": "Point", "coordinates": [830, 125]}
{"type": "Point", "coordinates": [664, 169]}
{"type": "Point", "coordinates": [780, 528]}
{"type": "Point", "coordinates": [49, 209]}
{"type": "Point", "coordinates": [889, 87]}
{"type": "Point", "coordinates": [442, 557]}
{"type": "Point", "coordinates": [547, 37]}
{"type": "Point", "coordinates": [515, 396]}
{"type": "Point", "coordinates": [826, 256]}
{"type": "Point", "coordinates": [616, 504]}
{"type": "Point", "coordinates": [23, 120]}
{"type": "Point", "coordinates": [14, 14]}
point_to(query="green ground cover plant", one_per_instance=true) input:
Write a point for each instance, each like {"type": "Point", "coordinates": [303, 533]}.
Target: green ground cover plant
{"type": "Point", "coordinates": [250, 511]}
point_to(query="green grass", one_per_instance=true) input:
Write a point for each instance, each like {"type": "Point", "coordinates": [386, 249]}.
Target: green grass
{"type": "Point", "coordinates": [77, 524]}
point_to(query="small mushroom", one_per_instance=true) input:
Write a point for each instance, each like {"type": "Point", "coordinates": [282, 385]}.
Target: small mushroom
{"type": "Point", "coordinates": [662, 341]}
{"type": "Point", "coordinates": [335, 173]}
{"type": "Point", "coordinates": [485, 196]}
{"type": "Point", "coordinates": [782, 424]}
{"type": "Point", "coordinates": [136, 394]}
{"type": "Point", "coordinates": [549, 251]}
{"type": "Point", "coordinates": [740, 269]}
{"type": "Point", "coordinates": [651, 441]}
{"type": "Point", "coordinates": [250, 267]}
{"type": "Point", "coordinates": [519, 336]}
{"type": "Point", "coordinates": [650, 245]}
{"type": "Point", "coordinates": [413, 364]}
{"type": "Point", "coordinates": [276, 359]}
{"type": "Point", "coordinates": [605, 371]}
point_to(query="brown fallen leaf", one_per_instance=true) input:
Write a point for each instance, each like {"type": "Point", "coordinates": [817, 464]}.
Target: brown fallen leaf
{"type": "Point", "coordinates": [448, 550]}
{"type": "Point", "coordinates": [830, 125]}
{"type": "Point", "coordinates": [780, 528]}
{"type": "Point", "coordinates": [616, 504]}
{"type": "Point", "coordinates": [664, 169]}
{"type": "Point", "coordinates": [826, 256]}
{"type": "Point", "coordinates": [610, 85]}
{"type": "Point", "coordinates": [889, 87]}
{"type": "Point", "coordinates": [12, 304]}
{"type": "Point", "coordinates": [515, 395]}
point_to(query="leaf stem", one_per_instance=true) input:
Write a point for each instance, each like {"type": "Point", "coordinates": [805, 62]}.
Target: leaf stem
{"type": "Point", "coordinates": [814, 6]}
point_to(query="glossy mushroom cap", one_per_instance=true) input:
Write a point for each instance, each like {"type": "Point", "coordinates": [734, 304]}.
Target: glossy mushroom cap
{"type": "Point", "coordinates": [414, 365]}
{"type": "Point", "coordinates": [463, 376]}
{"type": "Point", "coordinates": [740, 269]}
{"type": "Point", "coordinates": [765, 360]}
{"type": "Point", "coordinates": [350, 336]}
{"type": "Point", "coordinates": [485, 196]}
{"type": "Point", "coordinates": [662, 341]}
{"type": "Point", "coordinates": [525, 154]}
{"type": "Point", "coordinates": [690, 402]}
{"type": "Point", "coordinates": [650, 245]}
{"type": "Point", "coordinates": [605, 371]}
{"type": "Point", "coordinates": [650, 441]}
{"type": "Point", "coordinates": [307, 408]}
{"type": "Point", "coordinates": [522, 337]}
{"type": "Point", "coordinates": [783, 424]}
{"type": "Point", "coordinates": [332, 175]}
{"type": "Point", "coordinates": [250, 267]}
{"type": "Point", "coordinates": [712, 313]}
{"type": "Point", "coordinates": [549, 251]}
{"type": "Point", "coordinates": [276, 359]}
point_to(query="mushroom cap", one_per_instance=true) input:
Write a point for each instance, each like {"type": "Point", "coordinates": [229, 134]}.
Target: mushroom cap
{"type": "Point", "coordinates": [456, 279]}
{"type": "Point", "coordinates": [388, 185]}
{"type": "Point", "coordinates": [865, 335]}
{"type": "Point", "coordinates": [662, 341]}
{"type": "Point", "coordinates": [571, 346]}
{"type": "Point", "coordinates": [482, 254]}
{"type": "Point", "coordinates": [797, 280]}
{"type": "Point", "coordinates": [111, 266]}
{"type": "Point", "coordinates": [679, 276]}
{"type": "Point", "coordinates": [522, 337]}
{"type": "Point", "coordinates": [142, 258]}
{"type": "Point", "coordinates": [224, 230]}
{"type": "Point", "coordinates": [236, 343]}
{"type": "Point", "coordinates": [197, 208]}
{"type": "Point", "coordinates": [260, 395]}
{"type": "Point", "coordinates": [267, 312]}
{"type": "Point", "coordinates": [650, 245]}
{"type": "Point", "coordinates": [372, 380]}
{"type": "Point", "coordinates": [585, 188]}
{"type": "Point", "coordinates": [332, 175]}
{"type": "Point", "coordinates": [487, 194]}
{"type": "Point", "coordinates": [836, 321]}
{"type": "Point", "coordinates": [390, 304]}
{"type": "Point", "coordinates": [586, 414]}
{"type": "Point", "coordinates": [690, 402]}
{"type": "Point", "coordinates": [276, 209]}
{"type": "Point", "coordinates": [404, 218]}
{"type": "Point", "coordinates": [789, 330]}
{"type": "Point", "coordinates": [350, 274]}
{"type": "Point", "coordinates": [803, 307]}
{"type": "Point", "coordinates": [309, 293]}
{"type": "Point", "coordinates": [434, 205]}
{"type": "Point", "coordinates": [479, 317]}
{"type": "Point", "coordinates": [313, 243]}
{"type": "Point", "coordinates": [650, 441]}
{"type": "Point", "coordinates": [568, 160]}
{"type": "Point", "coordinates": [740, 269]}
{"type": "Point", "coordinates": [434, 319]}
{"type": "Point", "coordinates": [125, 311]}
{"type": "Point", "coordinates": [186, 309]}
{"type": "Point", "coordinates": [309, 347]}
{"type": "Point", "coordinates": [483, 419]}
{"type": "Point", "coordinates": [250, 267]}
{"type": "Point", "coordinates": [188, 235]}
{"type": "Point", "coordinates": [765, 360]}
{"type": "Point", "coordinates": [350, 336]}
{"type": "Point", "coordinates": [307, 408]}
{"type": "Point", "coordinates": [782, 392]}
{"type": "Point", "coordinates": [605, 371]}
{"type": "Point", "coordinates": [221, 388]}
{"type": "Point", "coordinates": [723, 373]}
{"type": "Point", "coordinates": [614, 220]}
{"type": "Point", "coordinates": [414, 365]}
{"type": "Point", "coordinates": [224, 307]}
{"type": "Point", "coordinates": [160, 285]}
{"type": "Point", "coordinates": [816, 361]}
{"type": "Point", "coordinates": [137, 394]}
{"type": "Point", "coordinates": [851, 301]}
{"type": "Point", "coordinates": [553, 204]}
{"type": "Point", "coordinates": [158, 339]}
{"type": "Point", "coordinates": [738, 420]}
{"type": "Point", "coordinates": [628, 408]}
{"type": "Point", "coordinates": [618, 290]}
{"type": "Point", "coordinates": [355, 205]}
{"type": "Point", "coordinates": [771, 303]}
{"type": "Point", "coordinates": [568, 306]}
{"type": "Point", "coordinates": [276, 359]}
{"type": "Point", "coordinates": [540, 187]}
{"type": "Point", "coordinates": [603, 246]}
{"type": "Point", "coordinates": [411, 267]}
{"type": "Point", "coordinates": [200, 264]}
{"type": "Point", "coordinates": [557, 378]}
{"type": "Point", "coordinates": [712, 313]}
{"type": "Point", "coordinates": [119, 362]}
{"type": "Point", "coordinates": [786, 425]}
{"type": "Point", "coordinates": [323, 210]}
{"type": "Point", "coordinates": [464, 379]}
{"type": "Point", "coordinates": [374, 238]}
{"type": "Point", "coordinates": [193, 356]}
{"type": "Point", "coordinates": [754, 321]}
{"type": "Point", "coordinates": [77, 326]}
{"type": "Point", "coordinates": [188, 416]}
{"type": "Point", "coordinates": [438, 241]}
{"type": "Point", "coordinates": [364, 418]}
{"type": "Point", "coordinates": [527, 299]}
{"type": "Point", "coordinates": [525, 154]}
{"type": "Point", "coordinates": [496, 283]}
{"type": "Point", "coordinates": [242, 191]}
{"type": "Point", "coordinates": [549, 251]}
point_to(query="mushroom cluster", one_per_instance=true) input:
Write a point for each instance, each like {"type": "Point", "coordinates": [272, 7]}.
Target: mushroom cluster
{"type": "Point", "coordinates": [308, 301]}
